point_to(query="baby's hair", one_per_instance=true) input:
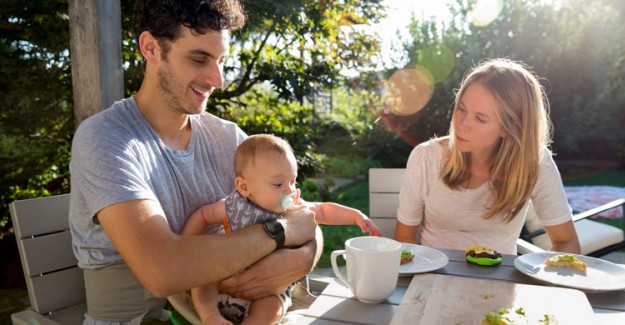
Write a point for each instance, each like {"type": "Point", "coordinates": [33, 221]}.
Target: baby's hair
{"type": "Point", "coordinates": [249, 149]}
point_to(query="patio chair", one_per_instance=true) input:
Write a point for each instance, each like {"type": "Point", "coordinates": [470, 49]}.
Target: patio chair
{"type": "Point", "coordinates": [596, 238]}
{"type": "Point", "coordinates": [55, 283]}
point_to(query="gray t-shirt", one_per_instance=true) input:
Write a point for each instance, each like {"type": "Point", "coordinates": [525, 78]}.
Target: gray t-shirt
{"type": "Point", "coordinates": [117, 157]}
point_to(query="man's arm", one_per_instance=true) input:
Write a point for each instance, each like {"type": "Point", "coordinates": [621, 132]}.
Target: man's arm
{"type": "Point", "coordinates": [275, 272]}
{"type": "Point", "coordinates": [166, 263]}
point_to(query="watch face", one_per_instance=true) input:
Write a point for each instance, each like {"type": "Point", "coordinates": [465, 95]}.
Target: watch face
{"type": "Point", "coordinates": [271, 227]}
{"type": "Point", "coordinates": [275, 230]}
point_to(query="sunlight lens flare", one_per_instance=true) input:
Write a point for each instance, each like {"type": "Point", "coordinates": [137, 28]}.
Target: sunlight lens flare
{"type": "Point", "coordinates": [438, 60]}
{"type": "Point", "coordinates": [485, 11]}
{"type": "Point", "coordinates": [408, 90]}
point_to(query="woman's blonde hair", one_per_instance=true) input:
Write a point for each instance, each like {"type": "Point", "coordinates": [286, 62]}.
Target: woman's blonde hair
{"type": "Point", "coordinates": [523, 111]}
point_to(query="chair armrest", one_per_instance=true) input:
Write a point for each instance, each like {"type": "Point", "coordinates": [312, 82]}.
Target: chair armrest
{"type": "Point", "coordinates": [580, 216]}
{"type": "Point", "coordinates": [29, 317]}
{"type": "Point", "coordinates": [524, 247]}
{"type": "Point", "coordinates": [599, 209]}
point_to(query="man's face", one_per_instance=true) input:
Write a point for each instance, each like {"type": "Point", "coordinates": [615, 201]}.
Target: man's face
{"type": "Point", "coordinates": [191, 69]}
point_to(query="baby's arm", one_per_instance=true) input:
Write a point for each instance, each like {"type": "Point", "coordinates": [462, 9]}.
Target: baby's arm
{"type": "Point", "coordinates": [210, 214]}
{"type": "Point", "coordinates": [329, 213]}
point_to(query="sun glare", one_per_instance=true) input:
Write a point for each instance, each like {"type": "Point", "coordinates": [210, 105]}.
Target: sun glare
{"type": "Point", "coordinates": [485, 11]}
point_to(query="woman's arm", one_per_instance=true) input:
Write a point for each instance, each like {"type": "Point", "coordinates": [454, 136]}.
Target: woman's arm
{"type": "Point", "coordinates": [406, 234]}
{"type": "Point", "coordinates": [563, 238]}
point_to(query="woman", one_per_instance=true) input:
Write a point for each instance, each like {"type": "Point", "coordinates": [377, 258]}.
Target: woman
{"type": "Point", "coordinates": [473, 187]}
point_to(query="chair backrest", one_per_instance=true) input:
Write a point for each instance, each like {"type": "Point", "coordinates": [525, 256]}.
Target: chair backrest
{"type": "Point", "coordinates": [53, 278]}
{"type": "Point", "coordinates": [384, 186]}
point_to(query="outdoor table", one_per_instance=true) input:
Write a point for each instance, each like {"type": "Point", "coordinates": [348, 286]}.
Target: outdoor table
{"type": "Point", "coordinates": [336, 304]}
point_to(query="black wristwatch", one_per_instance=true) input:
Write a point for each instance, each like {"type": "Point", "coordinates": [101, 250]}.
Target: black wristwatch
{"type": "Point", "coordinates": [275, 230]}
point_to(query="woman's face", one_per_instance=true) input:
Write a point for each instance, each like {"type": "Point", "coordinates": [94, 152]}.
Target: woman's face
{"type": "Point", "coordinates": [477, 128]}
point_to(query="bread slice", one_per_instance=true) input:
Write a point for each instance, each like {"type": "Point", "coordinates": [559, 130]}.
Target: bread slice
{"type": "Point", "coordinates": [566, 260]}
{"type": "Point", "coordinates": [406, 257]}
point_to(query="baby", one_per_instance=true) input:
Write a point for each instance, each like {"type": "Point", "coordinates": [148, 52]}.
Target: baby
{"type": "Point", "coordinates": [266, 170]}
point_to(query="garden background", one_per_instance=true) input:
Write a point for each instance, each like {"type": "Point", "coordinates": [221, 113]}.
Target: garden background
{"type": "Point", "coordinates": [312, 72]}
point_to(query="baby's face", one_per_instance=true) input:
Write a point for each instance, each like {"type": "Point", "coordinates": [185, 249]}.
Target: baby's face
{"type": "Point", "coordinates": [270, 179]}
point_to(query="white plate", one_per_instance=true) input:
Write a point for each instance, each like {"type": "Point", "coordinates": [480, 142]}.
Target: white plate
{"type": "Point", "coordinates": [600, 275]}
{"type": "Point", "coordinates": [426, 259]}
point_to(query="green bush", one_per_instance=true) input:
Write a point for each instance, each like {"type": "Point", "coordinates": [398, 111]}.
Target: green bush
{"type": "Point", "coordinates": [355, 195]}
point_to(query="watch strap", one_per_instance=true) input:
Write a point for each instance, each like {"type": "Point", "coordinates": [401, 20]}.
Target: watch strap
{"type": "Point", "coordinates": [275, 231]}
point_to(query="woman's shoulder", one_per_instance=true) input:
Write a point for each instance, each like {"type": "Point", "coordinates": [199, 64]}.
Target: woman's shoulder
{"type": "Point", "coordinates": [435, 146]}
{"type": "Point", "coordinates": [428, 153]}
{"type": "Point", "coordinates": [547, 166]}
{"type": "Point", "coordinates": [546, 157]}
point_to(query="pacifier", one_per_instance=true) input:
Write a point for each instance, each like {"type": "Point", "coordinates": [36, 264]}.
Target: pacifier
{"type": "Point", "coordinates": [286, 201]}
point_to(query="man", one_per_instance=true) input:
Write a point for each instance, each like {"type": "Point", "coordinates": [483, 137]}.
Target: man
{"type": "Point", "coordinates": [142, 166]}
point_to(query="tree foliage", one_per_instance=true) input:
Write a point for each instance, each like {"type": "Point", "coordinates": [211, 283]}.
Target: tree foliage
{"type": "Point", "coordinates": [36, 119]}
{"type": "Point", "coordinates": [575, 46]}
{"type": "Point", "coordinates": [292, 47]}
{"type": "Point", "coordinates": [298, 47]}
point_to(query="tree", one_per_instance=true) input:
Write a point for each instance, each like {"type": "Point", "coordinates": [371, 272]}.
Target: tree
{"type": "Point", "coordinates": [36, 121]}
{"type": "Point", "coordinates": [294, 47]}
{"type": "Point", "coordinates": [575, 46]}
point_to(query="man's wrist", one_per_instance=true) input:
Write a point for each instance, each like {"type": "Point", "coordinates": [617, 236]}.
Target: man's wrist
{"type": "Point", "coordinates": [275, 231]}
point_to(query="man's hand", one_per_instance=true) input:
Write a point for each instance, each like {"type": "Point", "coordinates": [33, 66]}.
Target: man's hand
{"type": "Point", "coordinates": [299, 225]}
{"type": "Point", "coordinates": [264, 278]}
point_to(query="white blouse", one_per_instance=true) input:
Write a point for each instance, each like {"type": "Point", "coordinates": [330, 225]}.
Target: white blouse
{"type": "Point", "coordinates": [454, 218]}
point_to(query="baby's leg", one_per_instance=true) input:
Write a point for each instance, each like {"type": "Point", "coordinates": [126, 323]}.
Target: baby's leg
{"type": "Point", "coordinates": [205, 303]}
{"type": "Point", "coordinates": [266, 310]}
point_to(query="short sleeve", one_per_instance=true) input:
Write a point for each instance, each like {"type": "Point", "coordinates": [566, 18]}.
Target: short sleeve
{"type": "Point", "coordinates": [549, 198]}
{"type": "Point", "coordinates": [414, 188]}
{"type": "Point", "coordinates": [105, 169]}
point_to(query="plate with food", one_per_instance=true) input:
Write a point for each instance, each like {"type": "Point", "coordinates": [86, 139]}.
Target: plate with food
{"type": "Point", "coordinates": [574, 271]}
{"type": "Point", "coordinates": [420, 259]}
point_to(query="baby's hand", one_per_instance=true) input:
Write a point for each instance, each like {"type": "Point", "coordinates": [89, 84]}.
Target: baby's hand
{"type": "Point", "coordinates": [367, 225]}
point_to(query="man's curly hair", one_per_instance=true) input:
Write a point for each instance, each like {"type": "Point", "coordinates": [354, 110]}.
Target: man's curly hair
{"type": "Point", "coordinates": [163, 18]}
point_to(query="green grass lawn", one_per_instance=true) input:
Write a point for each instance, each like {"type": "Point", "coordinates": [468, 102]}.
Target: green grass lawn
{"type": "Point", "coordinates": [356, 195]}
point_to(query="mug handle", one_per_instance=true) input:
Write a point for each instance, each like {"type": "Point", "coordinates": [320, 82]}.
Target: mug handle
{"type": "Point", "coordinates": [335, 266]}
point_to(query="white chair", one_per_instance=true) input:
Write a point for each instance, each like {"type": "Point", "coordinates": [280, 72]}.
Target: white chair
{"type": "Point", "coordinates": [596, 238]}
{"type": "Point", "coordinates": [55, 283]}
{"type": "Point", "coordinates": [384, 186]}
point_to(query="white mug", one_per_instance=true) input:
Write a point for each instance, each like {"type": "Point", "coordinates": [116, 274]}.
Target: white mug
{"type": "Point", "coordinates": [372, 265]}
